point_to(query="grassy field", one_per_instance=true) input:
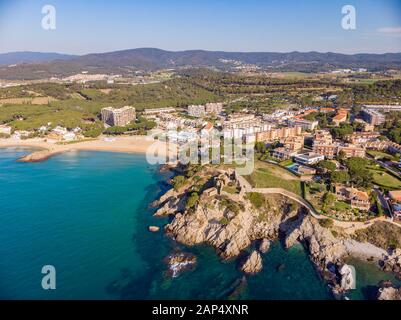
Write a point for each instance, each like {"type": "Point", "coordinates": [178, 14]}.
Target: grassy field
{"type": "Point", "coordinates": [267, 175]}
{"type": "Point", "coordinates": [381, 155]}
{"type": "Point", "coordinates": [386, 180]}
{"type": "Point", "coordinates": [71, 105]}
{"type": "Point", "coordinates": [36, 100]}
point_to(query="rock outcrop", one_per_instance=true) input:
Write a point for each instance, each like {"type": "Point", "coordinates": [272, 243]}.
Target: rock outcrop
{"type": "Point", "coordinates": [179, 262]}
{"type": "Point", "coordinates": [37, 156]}
{"type": "Point", "coordinates": [323, 247]}
{"type": "Point", "coordinates": [347, 277]}
{"type": "Point", "coordinates": [231, 223]}
{"type": "Point", "coordinates": [392, 262]}
{"type": "Point", "coordinates": [154, 229]}
{"type": "Point", "coordinates": [264, 246]}
{"type": "Point", "coordinates": [253, 264]}
{"type": "Point", "coordinates": [388, 292]}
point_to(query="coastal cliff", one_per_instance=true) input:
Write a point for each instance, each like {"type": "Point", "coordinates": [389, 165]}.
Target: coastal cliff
{"type": "Point", "coordinates": [231, 219]}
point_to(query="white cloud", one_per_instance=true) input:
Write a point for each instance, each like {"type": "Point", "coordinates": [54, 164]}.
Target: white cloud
{"type": "Point", "coordinates": [390, 30]}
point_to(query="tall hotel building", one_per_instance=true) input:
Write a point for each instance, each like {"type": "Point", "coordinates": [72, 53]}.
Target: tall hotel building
{"type": "Point", "coordinates": [118, 117]}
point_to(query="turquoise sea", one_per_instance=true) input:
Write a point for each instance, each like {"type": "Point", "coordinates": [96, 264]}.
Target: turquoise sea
{"type": "Point", "coordinates": [87, 214]}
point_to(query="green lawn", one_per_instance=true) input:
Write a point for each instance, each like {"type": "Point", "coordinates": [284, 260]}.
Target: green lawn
{"type": "Point", "coordinates": [386, 180]}
{"type": "Point", "coordinates": [230, 189]}
{"type": "Point", "coordinates": [341, 206]}
{"type": "Point", "coordinates": [274, 177]}
{"type": "Point", "coordinates": [381, 155]}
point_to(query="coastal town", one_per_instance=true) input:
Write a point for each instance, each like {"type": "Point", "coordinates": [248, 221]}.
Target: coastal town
{"type": "Point", "coordinates": [328, 163]}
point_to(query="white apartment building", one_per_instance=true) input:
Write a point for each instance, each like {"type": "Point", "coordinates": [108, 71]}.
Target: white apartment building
{"type": "Point", "coordinates": [197, 111]}
{"type": "Point", "coordinates": [158, 111]}
{"type": "Point", "coordinates": [305, 124]}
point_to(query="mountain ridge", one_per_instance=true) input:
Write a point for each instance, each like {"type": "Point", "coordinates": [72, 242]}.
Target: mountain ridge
{"type": "Point", "coordinates": [149, 59]}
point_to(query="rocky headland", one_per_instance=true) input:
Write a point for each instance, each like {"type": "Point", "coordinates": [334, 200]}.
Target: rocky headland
{"type": "Point", "coordinates": [214, 207]}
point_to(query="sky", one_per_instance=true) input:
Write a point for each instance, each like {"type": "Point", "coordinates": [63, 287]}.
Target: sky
{"type": "Point", "coordinates": [88, 26]}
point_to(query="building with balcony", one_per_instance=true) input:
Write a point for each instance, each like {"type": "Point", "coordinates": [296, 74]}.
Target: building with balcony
{"type": "Point", "coordinates": [356, 198]}
{"type": "Point", "coordinates": [118, 117]}
{"type": "Point", "coordinates": [308, 158]}
{"type": "Point", "coordinates": [373, 117]}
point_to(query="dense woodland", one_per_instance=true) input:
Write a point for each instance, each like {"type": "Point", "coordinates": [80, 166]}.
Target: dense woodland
{"type": "Point", "coordinates": [73, 105]}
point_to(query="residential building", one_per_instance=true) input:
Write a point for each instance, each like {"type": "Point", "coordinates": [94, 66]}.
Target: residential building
{"type": "Point", "coordinates": [323, 137]}
{"type": "Point", "coordinates": [118, 117]}
{"type": "Point", "coordinates": [304, 170]}
{"type": "Point", "coordinates": [214, 108]}
{"type": "Point", "coordinates": [330, 151]}
{"type": "Point", "coordinates": [158, 111]}
{"type": "Point", "coordinates": [352, 151]}
{"type": "Point", "coordinates": [60, 130]}
{"type": "Point", "coordinates": [362, 137]}
{"type": "Point", "coordinates": [305, 124]}
{"type": "Point", "coordinates": [240, 117]}
{"type": "Point", "coordinates": [283, 153]}
{"type": "Point", "coordinates": [356, 198]}
{"type": "Point", "coordinates": [278, 134]}
{"type": "Point", "coordinates": [196, 111]}
{"type": "Point", "coordinates": [294, 143]}
{"type": "Point", "coordinates": [310, 158]}
{"type": "Point", "coordinates": [383, 108]}
{"type": "Point", "coordinates": [373, 117]}
{"type": "Point", "coordinates": [342, 115]}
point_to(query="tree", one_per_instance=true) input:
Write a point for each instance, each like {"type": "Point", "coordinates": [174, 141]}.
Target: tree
{"type": "Point", "coordinates": [256, 199]}
{"type": "Point", "coordinates": [115, 130]}
{"type": "Point", "coordinates": [343, 130]}
{"type": "Point", "coordinates": [192, 200]}
{"type": "Point", "coordinates": [342, 155]}
{"type": "Point", "coordinates": [326, 165]}
{"type": "Point", "coordinates": [328, 199]}
{"type": "Point", "coordinates": [260, 147]}
{"type": "Point", "coordinates": [339, 177]}
{"type": "Point", "coordinates": [178, 182]}
{"type": "Point", "coordinates": [360, 176]}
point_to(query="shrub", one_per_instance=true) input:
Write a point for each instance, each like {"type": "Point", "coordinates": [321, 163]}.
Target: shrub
{"type": "Point", "coordinates": [192, 201]}
{"type": "Point", "coordinates": [224, 221]}
{"type": "Point", "coordinates": [256, 199]}
{"type": "Point", "coordinates": [326, 223]}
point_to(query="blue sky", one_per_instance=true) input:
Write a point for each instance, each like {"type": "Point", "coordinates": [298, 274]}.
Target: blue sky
{"type": "Point", "coordinates": [87, 26]}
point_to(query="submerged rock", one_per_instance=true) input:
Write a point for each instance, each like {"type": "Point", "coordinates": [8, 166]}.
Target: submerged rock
{"type": "Point", "coordinates": [264, 246]}
{"type": "Point", "coordinates": [179, 262]}
{"type": "Point", "coordinates": [37, 156]}
{"type": "Point", "coordinates": [280, 267]}
{"type": "Point", "coordinates": [392, 262]}
{"type": "Point", "coordinates": [253, 264]}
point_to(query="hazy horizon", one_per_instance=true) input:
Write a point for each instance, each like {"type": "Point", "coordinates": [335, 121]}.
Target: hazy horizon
{"type": "Point", "coordinates": [188, 50]}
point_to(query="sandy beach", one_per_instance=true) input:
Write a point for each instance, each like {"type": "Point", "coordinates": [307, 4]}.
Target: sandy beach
{"type": "Point", "coordinates": [132, 144]}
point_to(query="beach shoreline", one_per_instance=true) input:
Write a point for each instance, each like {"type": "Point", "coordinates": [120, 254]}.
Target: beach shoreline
{"type": "Point", "coordinates": [132, 144]}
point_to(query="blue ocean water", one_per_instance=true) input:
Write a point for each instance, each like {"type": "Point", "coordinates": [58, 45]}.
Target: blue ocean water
{"type": "Point", "coordinates": [87, 214]}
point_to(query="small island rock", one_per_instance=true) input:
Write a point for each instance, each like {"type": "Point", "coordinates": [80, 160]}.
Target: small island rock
{"type": "Point", "coordinates": [253, 264]}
